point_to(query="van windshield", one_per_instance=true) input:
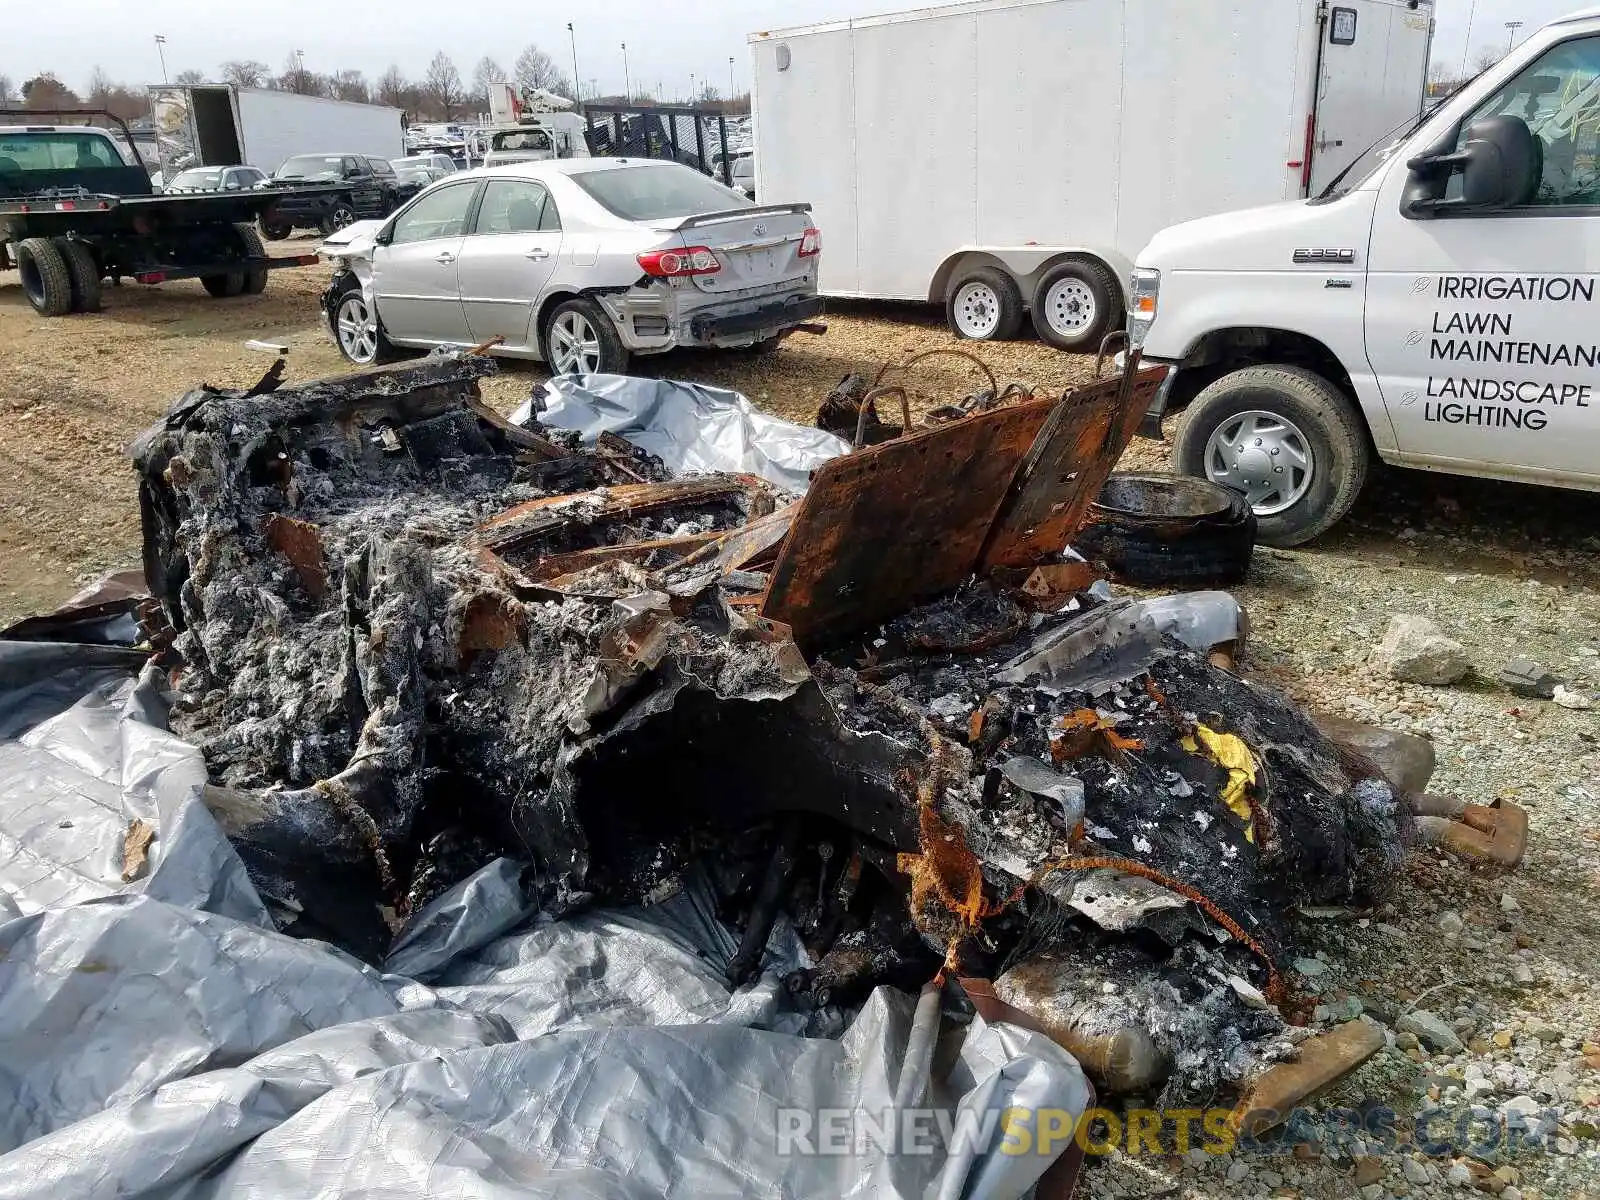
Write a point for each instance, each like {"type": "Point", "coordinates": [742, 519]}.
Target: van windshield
{"type": "Point", "coordinates": [1373, 157]}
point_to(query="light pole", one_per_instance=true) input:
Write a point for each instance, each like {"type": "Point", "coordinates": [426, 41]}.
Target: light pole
{"type": "Point", "coordinates": [1511, 29]}
{"type": "Point", "coordinates": [692, 92]}
{"type": "Point", "coordinates": [300, 58]}
{"type": "Point", "coordinates": [577, 84]}
{"type": "Point", "coordinates": [161, 42]}
{"type": "Point", "coordinates": [627, 80]}
{"type": "Point", "coordinates": [730, 77]}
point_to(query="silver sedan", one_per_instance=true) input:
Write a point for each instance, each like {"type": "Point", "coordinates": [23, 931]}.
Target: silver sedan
{"type": "Point", "coordinates": [578, 262]}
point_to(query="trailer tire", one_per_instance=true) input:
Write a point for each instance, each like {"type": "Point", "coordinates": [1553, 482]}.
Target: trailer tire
{"type": "Point", "coordinates": [225, 285]}
{"type": "Point", "coordinates": [1278, 413]}
{"type": "Point", "coordinates": [1076, 303]}
{"type": "Point", "coordinates": [255, 275]}
{"type": "Point", "coordinates": [84, 272]}
{"type": "Point", "coordinates": [46, 280]}
{"type": "Point", "coordinates": [984, 305]}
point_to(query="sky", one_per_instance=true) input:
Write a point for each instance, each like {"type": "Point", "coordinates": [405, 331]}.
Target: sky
{"type": "Point", "coordinates": [667, 39]}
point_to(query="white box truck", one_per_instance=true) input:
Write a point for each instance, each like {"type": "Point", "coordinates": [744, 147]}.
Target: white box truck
{"type": "Point", "coordinates": [1014, 155]}
{"type": "Point", "coordinates": [1438, 307]}
{"type": "Point", "coordinates": [215, 125]}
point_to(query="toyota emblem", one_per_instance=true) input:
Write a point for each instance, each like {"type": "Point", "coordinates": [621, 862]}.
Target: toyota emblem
{"type": "Point", "coordinates": [760, 229]}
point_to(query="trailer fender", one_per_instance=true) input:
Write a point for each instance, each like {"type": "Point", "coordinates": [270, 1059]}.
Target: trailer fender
{"type": "Point", "coordinates": [1025, 264]}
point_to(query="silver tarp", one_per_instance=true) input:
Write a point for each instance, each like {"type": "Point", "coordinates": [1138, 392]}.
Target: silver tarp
{"type": "Point", "coordinates": [159, 1038]}
{"type": "Point", "coordinates": [692, 428]}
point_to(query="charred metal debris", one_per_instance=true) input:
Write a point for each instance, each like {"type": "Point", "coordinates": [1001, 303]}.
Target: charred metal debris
{"type": "Point", "coordinates": [889, 717]}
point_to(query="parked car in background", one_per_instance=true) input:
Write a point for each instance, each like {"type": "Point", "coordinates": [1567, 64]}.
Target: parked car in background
{"type": "Point", "coordinates": [216, 179]}
{"type": "Point", "coordinates": [579, 262]}
{"type": "Point", "coordinates": [744, 174]}
{"type": "Point", "coordinates": [439, 164]}
{"type": "Point", "coordinates": [369, 188]}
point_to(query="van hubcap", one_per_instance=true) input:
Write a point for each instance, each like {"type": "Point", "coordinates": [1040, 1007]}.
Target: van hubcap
{"type": "Point", "coordinates": [574, 345]}
{"type": "Point", "coordinates": [358, 329]}
{"type": "Point", "coordinates": [977, 310]}
{"type": "Point", "coordinates": [1264, 456]}
{"type": "Point", "coordinates": [1069, 306]}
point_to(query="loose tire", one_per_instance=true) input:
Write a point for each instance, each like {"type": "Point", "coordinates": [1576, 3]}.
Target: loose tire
{"type": "Point", "coordinates": [1284, 436]}
{"type": "Point", "coordinates": [340, 215]}
{"type": "Point", "coordinates": [84, 273]}
{"type": "Point", "coordinates": [255, 275]}
{"type": "Point", "coordinates": [579, 339]}
{"type": "Point", "coordinates": [984, 305]}
{"type": "Point", "coordinates": [1169, 531]}
{"type": "Point", "coordinates": [229, 283]}
{"type": "Point", "coordinates": [1075, 304]}
{"type": "Point", "coordinates": [46, 281]}
{"type": "Point", "coordinates": [357, 330]}
{"type": "Point", "coordinates": [275, 232]}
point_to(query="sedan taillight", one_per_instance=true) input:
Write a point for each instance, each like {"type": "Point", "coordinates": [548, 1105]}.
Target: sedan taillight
{"type": "Point", "coordinates": [811, 243]}
{"type": "Point", "coordinates": [667, 264]}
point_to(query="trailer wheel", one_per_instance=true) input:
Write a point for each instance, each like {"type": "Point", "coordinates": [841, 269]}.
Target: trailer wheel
{"type": "Point", "coordinates": [984, 305]}
{"type": "Point", "coordinates": [45, 279]}
{"type": "Point", "coordinates": [1284, 436]}
{"type": "Point", "coordinates": [84, 272]}
{"type": "Point", "coordinates": [1076, 304]}
{"type": "Point", "coordinates": [229, 283]}
{"type": "Point", "coordinates": [255, 275]}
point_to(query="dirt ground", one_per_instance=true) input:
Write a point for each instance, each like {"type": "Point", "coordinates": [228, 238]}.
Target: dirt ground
{"type": "Point", "coordinates": [1506, 569]}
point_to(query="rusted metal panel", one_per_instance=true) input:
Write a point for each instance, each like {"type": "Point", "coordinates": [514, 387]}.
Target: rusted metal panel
{"type": "Point", "coordinates": [1067, 466]}
{"type": "Point", "coordinates": [301, 544]}
{"type": "Point", "coordinates": [889, 526]}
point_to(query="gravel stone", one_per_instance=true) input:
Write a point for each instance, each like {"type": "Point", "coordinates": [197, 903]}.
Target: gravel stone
{"type": "Point", "coordinates": [1415, 650]}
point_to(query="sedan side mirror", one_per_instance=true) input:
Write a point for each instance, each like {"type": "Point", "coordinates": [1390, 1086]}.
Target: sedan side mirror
{"type": "Point", "coordinates": [1500, 163]}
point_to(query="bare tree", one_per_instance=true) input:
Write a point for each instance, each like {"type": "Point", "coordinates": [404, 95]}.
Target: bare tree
{"type": "Point", "coordinates": [246, 73]}
{"type": "Point", "coordinates": [1487, 57]}
{"type": "Point", "coordinates": [189, 78]}
{"type": "Point", "coordinates": [5, 88]}
{"type": "Point", "coordinates": [100, 87]}
{"type": "Point", "coordinates": [46, 91]}
{"type": "Point", "coordinates": [536, 69]}
{"type": "Point", "coordinates": [392, 88]}
{"type": "Point", "coordinates": [443, 84]}
{"type": "Point", "coordinates": [296, 78]}
{"type": "Point", "coordinates": [351, 85]}
{"type": "Point", "coordinates": [484, 76]}
{"type": "Point", "coordinates": [1443, 78]}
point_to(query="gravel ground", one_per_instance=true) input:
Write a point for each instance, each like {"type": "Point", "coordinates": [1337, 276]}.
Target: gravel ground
{"type": "Point", "coordinates": [1506, 570]}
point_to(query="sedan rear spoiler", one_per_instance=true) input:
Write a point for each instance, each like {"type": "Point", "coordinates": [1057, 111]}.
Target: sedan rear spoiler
{"type": "Point", "coordinates": [730, 214]}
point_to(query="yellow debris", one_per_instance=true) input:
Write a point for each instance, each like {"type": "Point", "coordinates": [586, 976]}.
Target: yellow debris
{"type": "Point", "coordinates": [1229, 752]}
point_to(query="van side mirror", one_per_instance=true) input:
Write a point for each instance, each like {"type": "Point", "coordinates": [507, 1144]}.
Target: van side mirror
{"type": "Point", "coordinates": [1500, 163]}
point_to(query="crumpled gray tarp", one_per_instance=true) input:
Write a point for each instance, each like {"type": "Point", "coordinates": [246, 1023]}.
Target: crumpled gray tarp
{"type": "Point", "coordinates": [159, 1038]}
{"type": "Point", "coordinates": [692, 428]}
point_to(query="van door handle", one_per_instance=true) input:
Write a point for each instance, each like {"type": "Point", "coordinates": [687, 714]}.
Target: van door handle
{"type": "Point", "coordinates": [537, 254]}
{"type": "Point", "coordinates": [444, 256]}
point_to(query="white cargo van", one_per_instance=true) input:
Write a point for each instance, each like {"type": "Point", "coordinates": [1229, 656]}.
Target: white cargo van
{"type": "Point", "coordinates": [1438, 306]}
{"type": "Point", "coordinates": [1014, 155]}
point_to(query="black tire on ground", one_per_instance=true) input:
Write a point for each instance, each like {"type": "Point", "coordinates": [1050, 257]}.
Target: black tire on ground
{"type": "Point", "coordinates": [613, 355]}
{"type": "Point", "coordinates": [255, 277]}
{"type": "Point", "coordinates": [382, 349]}
{"type": "Point", "coordinates": [275, 233]}
{"type": "Point", "coordinates": [1062, 321]}
{"type": "Point", "coordinates": [1204, 540]}
{"type": "Point", "coordinates": [981, 296]}
{"type": "Point", "coordinates": [229, 283]}
{"type": "Point", "coordinates": [46, 281]}
{"type": "Point", "coordinates": [1329, 425]}
{"type": "Point", "coordinates": [340, 215]}
{"type": "Point", "coordinates": [84, 272]}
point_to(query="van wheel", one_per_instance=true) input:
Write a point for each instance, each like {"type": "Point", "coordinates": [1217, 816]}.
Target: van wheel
{"type": "Point", "coordinates": [84, 272]}
{"type": "Point", "coordinates": [1076, 304]}
{"type": "Point", "coordinates": [984, 305]}
{"type": "Point", "coordinates": [46, 282]}
{"type": "Point", "coordinates": [1284, 436]}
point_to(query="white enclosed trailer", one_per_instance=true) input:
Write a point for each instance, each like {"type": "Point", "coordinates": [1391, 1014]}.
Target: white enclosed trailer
{"type": "Point", "coordinates": [219, 125]}
{"type": "Point", "coordinates": [1012, 155]}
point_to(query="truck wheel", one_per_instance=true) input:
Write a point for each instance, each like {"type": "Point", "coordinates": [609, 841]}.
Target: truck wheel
{"type": "Point", "coordinates": [1076, 304]}
{"type": "Point", "coordinates": [340, 215]}
{"type": "Point", "coordinates": [274, 232]}
{"type": "Point", "coordinates": [357, 330]}
{"type": "Point", "coordinates": [229, 283]}
{"type": "Point", "coordinates": [985, 305]}
{"type": "Point", "coordinates": [45, 279]}
{"type": "Point", "coordinates": [255, 276]}
{"type": "Point", "coordinates": [84, 272]}
{"type": "Point", "coordinates": [579, 339]}
{"type": "Point", "coordinates": [1284, 436]}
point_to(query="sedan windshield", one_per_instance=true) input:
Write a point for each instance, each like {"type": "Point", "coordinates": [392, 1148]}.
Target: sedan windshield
{"type": "Point", "coordinates": [310, 166]}
{"type": "Point", "coordinates": [650, 191]}
{"type": "Point", "coordinates": [202, 177]}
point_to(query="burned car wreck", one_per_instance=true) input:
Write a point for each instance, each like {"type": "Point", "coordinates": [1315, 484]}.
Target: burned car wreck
{"type": "Point", "coordinates": [890, 717]}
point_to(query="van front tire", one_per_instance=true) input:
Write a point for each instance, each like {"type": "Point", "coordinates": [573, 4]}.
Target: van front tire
{"type": "Point", "coordinates": [1286, 436]}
